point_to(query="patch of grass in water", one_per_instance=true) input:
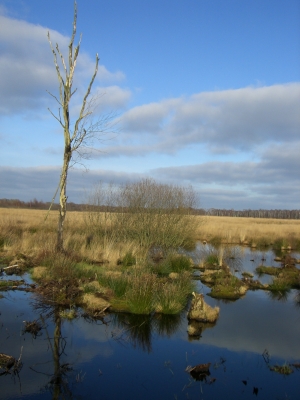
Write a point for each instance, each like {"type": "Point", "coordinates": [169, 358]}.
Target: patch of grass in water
{"type": "Point", "coordinates": [227, 286]}
{"type": "Point", "coordinates": [171, 297]}
{"type": "Point", "coordinates": [139, 297]}
{"type": "Point", "coordinates": [279, 286]}
{"type": "Point", "coordinates": [261, 270]}
{"type": "Point", "coordinates": [284, 369]}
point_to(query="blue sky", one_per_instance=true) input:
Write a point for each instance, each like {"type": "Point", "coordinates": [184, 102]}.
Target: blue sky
{"type": "Point", "coordinates": [206, 93]}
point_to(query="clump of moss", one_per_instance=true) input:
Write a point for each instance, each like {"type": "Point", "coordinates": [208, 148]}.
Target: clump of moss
{"type": "Point", "coordinates": [290, 276]}
{"type": "Point", "coordinates": [286, 277]}
{"type": "Point", "coordinates": [226, 286]}
{"type": "Point", "coordinates": [8, 285]}
{"type": "Point", "coordinates": [247, 274]}
{"type": "Point", "coordinates": [267, 270]}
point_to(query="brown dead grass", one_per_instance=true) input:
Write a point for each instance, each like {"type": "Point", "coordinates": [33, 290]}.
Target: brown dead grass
{"type": "Point", "coordinates": [93, 303]}
{"type": "Point", "coordinates": [247, 230]}
{"type": "Point", "coordinates": [26, 231]}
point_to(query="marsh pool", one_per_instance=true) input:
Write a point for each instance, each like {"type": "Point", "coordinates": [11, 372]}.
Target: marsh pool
{"type": "Point", "coordinates": [124, 356]}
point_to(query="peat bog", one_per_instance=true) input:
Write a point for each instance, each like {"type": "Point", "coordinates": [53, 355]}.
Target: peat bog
{"type": "Point", "coordinates": [251, 351]}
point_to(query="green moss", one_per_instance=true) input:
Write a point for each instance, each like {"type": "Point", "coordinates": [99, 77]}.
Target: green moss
{"type": "Point", "coordinates": [267, 270]}
{"type": "Point", "coordinates": [226, 286]}
{"type": "Point", "coordinates": [7, 285]}
{"type": "Point", "coordinates": [288, 278]}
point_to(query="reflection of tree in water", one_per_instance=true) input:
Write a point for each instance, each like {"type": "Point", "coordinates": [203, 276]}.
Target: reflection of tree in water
{"type": "Point", "coordinates": [139, 329]}
{"type": "Point", "coordinates": [297, 299]}
{"type": "Point", "coordinates": [58, 383]}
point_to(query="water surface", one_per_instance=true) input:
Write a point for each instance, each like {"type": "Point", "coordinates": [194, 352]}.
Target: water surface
{"type": "Point", "coordinates": [136, 357]}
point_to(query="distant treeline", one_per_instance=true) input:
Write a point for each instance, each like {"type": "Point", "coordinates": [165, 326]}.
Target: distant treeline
{"type": "Point", "coordinates": [37, 205]}
{"type": "Point", "coordinates": [278, 214]}
{"type": "Point", "coordinates": [40, 205]}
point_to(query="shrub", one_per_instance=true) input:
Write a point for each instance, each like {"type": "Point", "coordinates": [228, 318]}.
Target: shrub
{"type": "Point", "coordinates": [148, 213]}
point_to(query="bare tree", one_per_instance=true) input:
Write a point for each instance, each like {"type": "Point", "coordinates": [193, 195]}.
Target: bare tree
{"type": "Point", "coordinates": [77, 136]}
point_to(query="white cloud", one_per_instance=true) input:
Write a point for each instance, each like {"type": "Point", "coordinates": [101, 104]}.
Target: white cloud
{"type": "Point", "coordinates": [27, 69]}
{"type": "Point", "coordinates": [230, 120]}
{"type": "Point", "coordinates": [112, 97]}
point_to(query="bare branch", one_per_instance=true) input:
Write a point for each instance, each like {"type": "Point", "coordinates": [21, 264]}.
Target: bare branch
{"type": "Point", "coordinates": [60, 79]}
{"type": "Point", "coordinates": [54, 98]}
{"type": "Point", "coordinates": [62, 60]}
{"type": "Point", "coordinates": [73, 35]}
{"type": "Point", "coordinates": [81, 115]}
{"type": "Point", "coordinates": [58, 119]}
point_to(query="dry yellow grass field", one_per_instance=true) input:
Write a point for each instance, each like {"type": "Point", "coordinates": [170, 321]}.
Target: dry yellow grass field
{"type": "Point", "coordinates": [29, 232]}
{"type": "Point", "coordinates": [251, 230]}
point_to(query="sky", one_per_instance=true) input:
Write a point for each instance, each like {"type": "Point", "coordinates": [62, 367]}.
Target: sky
{"type": "Point", "coordinates": [198, 92]}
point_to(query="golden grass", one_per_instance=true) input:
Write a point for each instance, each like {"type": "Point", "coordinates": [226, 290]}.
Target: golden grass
{"type": "Point", "coordinates": [26, 231]}
{"type": "Point", "coordinates": [251, 230]}
{"type": "Point", "coordinates": [39, 272]}
{"type": "Point", "coordinates": [93, 303]}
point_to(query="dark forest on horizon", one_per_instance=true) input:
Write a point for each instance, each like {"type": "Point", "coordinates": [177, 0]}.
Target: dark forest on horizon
{"type": "Point", "coordinates": [248, 213]}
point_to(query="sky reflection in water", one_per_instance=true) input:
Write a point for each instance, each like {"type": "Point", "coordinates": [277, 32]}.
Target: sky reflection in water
{"type": "Point", "coordinates": [136, 357]}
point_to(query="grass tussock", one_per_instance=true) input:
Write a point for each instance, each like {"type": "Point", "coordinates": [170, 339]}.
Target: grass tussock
{"type": "Point", "coordinates": [262, 269]}
{"type": "Point", "coordinates": [224, 285]}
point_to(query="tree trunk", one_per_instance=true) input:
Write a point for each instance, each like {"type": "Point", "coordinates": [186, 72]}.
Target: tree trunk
{"type": "Point", "coordinates": [63, 199]}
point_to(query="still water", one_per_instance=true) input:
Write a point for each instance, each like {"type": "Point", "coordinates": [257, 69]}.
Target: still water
{"type": "Point", "coordinates": [135, 357]}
